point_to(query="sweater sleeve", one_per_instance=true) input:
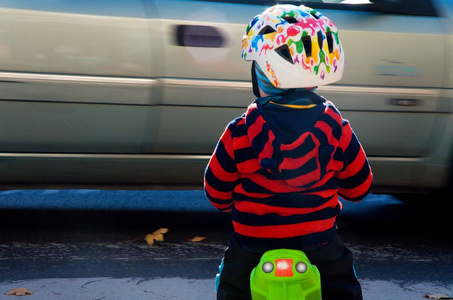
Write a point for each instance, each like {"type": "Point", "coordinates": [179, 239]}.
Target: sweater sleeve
{"type": "Point", "coordinates": [355, 180]}
{"type": "Point", "coordinates": [221, 175]}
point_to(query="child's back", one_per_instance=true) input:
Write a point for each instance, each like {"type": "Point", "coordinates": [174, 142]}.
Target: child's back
{"type": "Point", "coordinates": [280, 167]}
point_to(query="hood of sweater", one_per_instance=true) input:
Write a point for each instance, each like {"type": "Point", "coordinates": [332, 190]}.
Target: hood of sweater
{"type": "Point", "coordinates": [295, 138]}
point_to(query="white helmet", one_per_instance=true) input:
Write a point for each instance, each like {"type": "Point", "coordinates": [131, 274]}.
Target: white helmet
{"type": "Point", "coordinates": [295, 46]}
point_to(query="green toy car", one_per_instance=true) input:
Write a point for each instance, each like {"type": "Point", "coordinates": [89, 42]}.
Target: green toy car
{"type": "Point", "coordinates": [285, 274]}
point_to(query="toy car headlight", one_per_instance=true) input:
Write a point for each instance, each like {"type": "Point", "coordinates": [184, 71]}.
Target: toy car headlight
{"type": "Point", "coordinates": [268, 267]}
{"type": "Point", "coordinates": [301, 267]}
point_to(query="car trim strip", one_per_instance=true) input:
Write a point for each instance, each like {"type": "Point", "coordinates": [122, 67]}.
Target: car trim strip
{"type": "Point", "coordinates": [379, 90]}
{"type": "Point", "coordinates": [106, 156]}
{"type": "Point", "coordinates": [330, 88]}
{"type": "Point", "coordinates": [206, 83]}
{"type": "Point", "coordinates": [21, 77]}
{"type": "Point", "coordinates": [17, 77]}
{"type": "Point", "coordinates": [160, 156]}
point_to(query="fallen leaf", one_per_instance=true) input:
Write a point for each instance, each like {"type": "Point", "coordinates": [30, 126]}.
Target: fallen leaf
{"type": "Point", "coordinates": [197, 239]}
{"type": "Point", "coordinates": [437, 296]}
{"type": "Point", "coordinates": [161, 230]}
{"type": "Point", "coordinates": [19, 292]}
{"type": "Point", "coordinates": [157, 236]}
{"type": "Point", "coordinates": [149, 238]}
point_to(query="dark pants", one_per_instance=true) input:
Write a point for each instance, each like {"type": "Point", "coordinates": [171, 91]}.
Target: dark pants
{"type": "Point", "coordinates": [334, 262]}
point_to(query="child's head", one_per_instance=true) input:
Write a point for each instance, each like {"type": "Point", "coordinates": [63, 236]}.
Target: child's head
{"type": "Point", "coordinates": [292, 47]}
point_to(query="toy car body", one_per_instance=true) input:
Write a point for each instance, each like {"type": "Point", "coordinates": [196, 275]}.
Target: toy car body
{"type": "Point", "coordinates": [285, 274]}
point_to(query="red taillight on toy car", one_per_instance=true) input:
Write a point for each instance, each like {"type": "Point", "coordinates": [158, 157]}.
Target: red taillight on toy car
{"type": "Point", "coordinates": [284, 267]}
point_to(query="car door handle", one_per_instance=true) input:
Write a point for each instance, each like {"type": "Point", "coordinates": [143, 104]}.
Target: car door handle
{"type": "Point", "coordinates": [199, 36]}
{"type": "Point", "coordinates": [405, 102]}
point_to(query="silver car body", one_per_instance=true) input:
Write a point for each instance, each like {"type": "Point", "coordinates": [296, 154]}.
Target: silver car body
{"type": "Point", "coordinates": [121, 93]}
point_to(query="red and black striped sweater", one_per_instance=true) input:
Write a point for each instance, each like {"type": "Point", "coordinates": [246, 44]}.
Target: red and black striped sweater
{"type": "Point", "coordinates": [280, 167]}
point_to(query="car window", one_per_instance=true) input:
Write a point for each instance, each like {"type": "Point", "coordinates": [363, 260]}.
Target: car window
{"type": "Point", "coordinates": [338, 1]}
{"type": "Point", "coordinates": [398, 7]}
{"type": "Point", "coordinates": [296, 2]}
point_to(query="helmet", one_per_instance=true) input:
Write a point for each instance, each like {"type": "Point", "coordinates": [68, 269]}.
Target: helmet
{"type": "Point", "coordinates": [295, 46]}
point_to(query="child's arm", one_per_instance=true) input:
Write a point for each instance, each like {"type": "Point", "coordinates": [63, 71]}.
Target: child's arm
{"type": "Point", "coordinates": [355, 179]}
{"type": "Point", "coordinates": [221, 175]}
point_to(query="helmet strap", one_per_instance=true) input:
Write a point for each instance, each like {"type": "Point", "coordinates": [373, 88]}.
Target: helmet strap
{"type": "Point", "coordinates": [256, 90]}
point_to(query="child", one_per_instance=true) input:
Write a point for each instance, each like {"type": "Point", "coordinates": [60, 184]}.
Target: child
{"type": "Point", "coordinates": [280, 167]}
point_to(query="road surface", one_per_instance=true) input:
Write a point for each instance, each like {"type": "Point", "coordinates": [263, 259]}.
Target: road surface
{"type": "Point", "coordinates": [89, 244]}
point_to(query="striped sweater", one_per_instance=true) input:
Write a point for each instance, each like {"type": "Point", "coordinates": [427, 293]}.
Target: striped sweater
{"type": "Point", "coordinates": [279, 169]}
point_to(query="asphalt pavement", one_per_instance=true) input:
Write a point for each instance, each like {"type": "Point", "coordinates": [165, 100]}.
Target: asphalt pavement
{"type": "Point", "coordinates": [90, 244]}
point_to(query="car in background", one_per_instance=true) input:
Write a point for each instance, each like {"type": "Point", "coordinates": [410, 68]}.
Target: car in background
{"type": "Point", "coordinates": [136, 93]}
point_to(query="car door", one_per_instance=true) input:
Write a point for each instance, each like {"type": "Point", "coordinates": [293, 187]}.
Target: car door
{"type": "Point", "coordinates": [76, 77]}
{"type": "Point", "coordinates": [206, 84]}
{"type": "Point", "coordinates": [394, 70]}
{"type": "Point", "coordinates": [390, 91]}
{"type": "Point", "coordinates": [392, 85]}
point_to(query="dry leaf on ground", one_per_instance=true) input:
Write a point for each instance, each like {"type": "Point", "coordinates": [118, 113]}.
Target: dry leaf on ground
{"type": "Point", "coordinates": [437, 296]}
{"type": "Point", "coordinates": [19, 292]}
{"type": "Point", "coordinates": [197, 239]}
{"type": "Point", "coordinates": [157, 235]}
